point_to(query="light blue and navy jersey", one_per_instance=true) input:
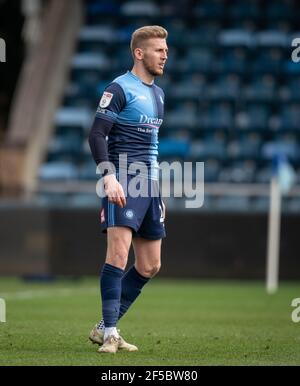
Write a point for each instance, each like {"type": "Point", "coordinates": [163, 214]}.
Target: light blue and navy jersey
{"type": "Point", "coordinates": [136, 110]}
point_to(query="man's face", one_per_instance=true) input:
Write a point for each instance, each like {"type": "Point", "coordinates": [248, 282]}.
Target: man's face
{"type": "Point", "coordinates": [155, 55]}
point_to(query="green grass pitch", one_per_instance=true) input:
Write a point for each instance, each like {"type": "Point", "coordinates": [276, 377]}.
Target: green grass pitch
{"type": "Point", "coordinates": [173, 323]}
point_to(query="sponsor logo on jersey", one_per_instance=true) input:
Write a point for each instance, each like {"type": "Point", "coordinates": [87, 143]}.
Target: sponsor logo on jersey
{"type": "Point", "coordinates": [150, 120]}
{"type": "Point", "coordinates": [106, 99]}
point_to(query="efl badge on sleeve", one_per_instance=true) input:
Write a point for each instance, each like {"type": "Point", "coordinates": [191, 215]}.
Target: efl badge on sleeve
{"type": "Point", "coordinates": [106, 99]}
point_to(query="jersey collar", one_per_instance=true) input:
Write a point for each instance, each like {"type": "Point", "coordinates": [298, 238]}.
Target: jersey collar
{"type": "Point", "coordinates": [139, 79]}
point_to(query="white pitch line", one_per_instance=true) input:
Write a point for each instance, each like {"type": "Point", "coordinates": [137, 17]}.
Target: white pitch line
{"type": "Point", "coordinates": [34, 294]}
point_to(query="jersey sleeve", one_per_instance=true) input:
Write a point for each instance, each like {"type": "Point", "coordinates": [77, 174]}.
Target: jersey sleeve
{"type": "Point", "coordinates": [112, 103]}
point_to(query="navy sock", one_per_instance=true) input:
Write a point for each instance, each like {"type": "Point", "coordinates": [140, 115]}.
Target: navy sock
{"type": "Point", "coordinates": [110, 282]}
{"type": "Point", "coordinates": [132, 284]}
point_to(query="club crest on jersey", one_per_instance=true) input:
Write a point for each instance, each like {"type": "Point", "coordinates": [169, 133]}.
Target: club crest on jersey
{"type": "Point", "coordinates": [106, 99]}
{"type": "Point", "coordinates": [129, 214]}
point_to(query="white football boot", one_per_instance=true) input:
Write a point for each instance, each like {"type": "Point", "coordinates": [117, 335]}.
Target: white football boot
{"type": "Point", "coordinates": [96, 337]}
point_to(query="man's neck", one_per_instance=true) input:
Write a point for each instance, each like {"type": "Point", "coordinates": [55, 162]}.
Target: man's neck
{"type": "Point", "coordinates": [143, 75]}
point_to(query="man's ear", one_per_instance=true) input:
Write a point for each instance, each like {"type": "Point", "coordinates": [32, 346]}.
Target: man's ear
{"type": "Point", "coordinates": [139, 54]}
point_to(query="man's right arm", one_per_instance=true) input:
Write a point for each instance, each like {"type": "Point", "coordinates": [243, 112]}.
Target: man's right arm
{"type": "Point", "coordinates": [111, 103]}
{"type": "Point", "coordinates": [97, 139]}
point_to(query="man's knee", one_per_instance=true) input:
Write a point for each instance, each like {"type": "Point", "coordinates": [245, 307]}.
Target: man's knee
{"type": "Point", "coordinates": [117, 250]}
{"type": "Point", "coordinates": [117, 255]}
{"type": "Point", "coordinates": [149, 270]}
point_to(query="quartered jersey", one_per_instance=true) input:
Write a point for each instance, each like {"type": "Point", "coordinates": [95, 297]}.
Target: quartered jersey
{"type": "Point", "coordinates": [136, 110]}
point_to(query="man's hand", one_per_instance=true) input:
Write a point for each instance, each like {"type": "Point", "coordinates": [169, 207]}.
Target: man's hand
{"type": "Point", "coordinates": [114, 190]}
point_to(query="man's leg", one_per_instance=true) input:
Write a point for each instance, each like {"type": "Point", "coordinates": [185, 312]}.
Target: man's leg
{"type": "Point", "coordinates": [147, 248]}
{"type": "Point", "coordinates": [147, 264]}
{"type": "Point", "coordinates": [147, 256]}
{"type": "Point", "coordinates": [118, 244]}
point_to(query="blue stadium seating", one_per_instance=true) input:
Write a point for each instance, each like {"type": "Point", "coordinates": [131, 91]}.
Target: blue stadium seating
{"type": "Point", "coordinates": [232, 90]}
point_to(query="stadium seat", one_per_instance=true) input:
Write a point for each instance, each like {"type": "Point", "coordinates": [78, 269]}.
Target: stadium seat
{"type": "Point", "coordinates": [236, 38]}
{"type": "Point", "coordinates": [232, 90]}
{"type": "Point", "coordinates": [58, 171]}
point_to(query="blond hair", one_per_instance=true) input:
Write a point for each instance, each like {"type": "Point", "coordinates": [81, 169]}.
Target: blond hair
{"type": "Point", "coordinates": [144, 33]}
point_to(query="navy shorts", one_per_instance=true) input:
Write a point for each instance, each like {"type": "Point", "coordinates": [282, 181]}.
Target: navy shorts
{"type": "Point", "coordinates": [144, 215]}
